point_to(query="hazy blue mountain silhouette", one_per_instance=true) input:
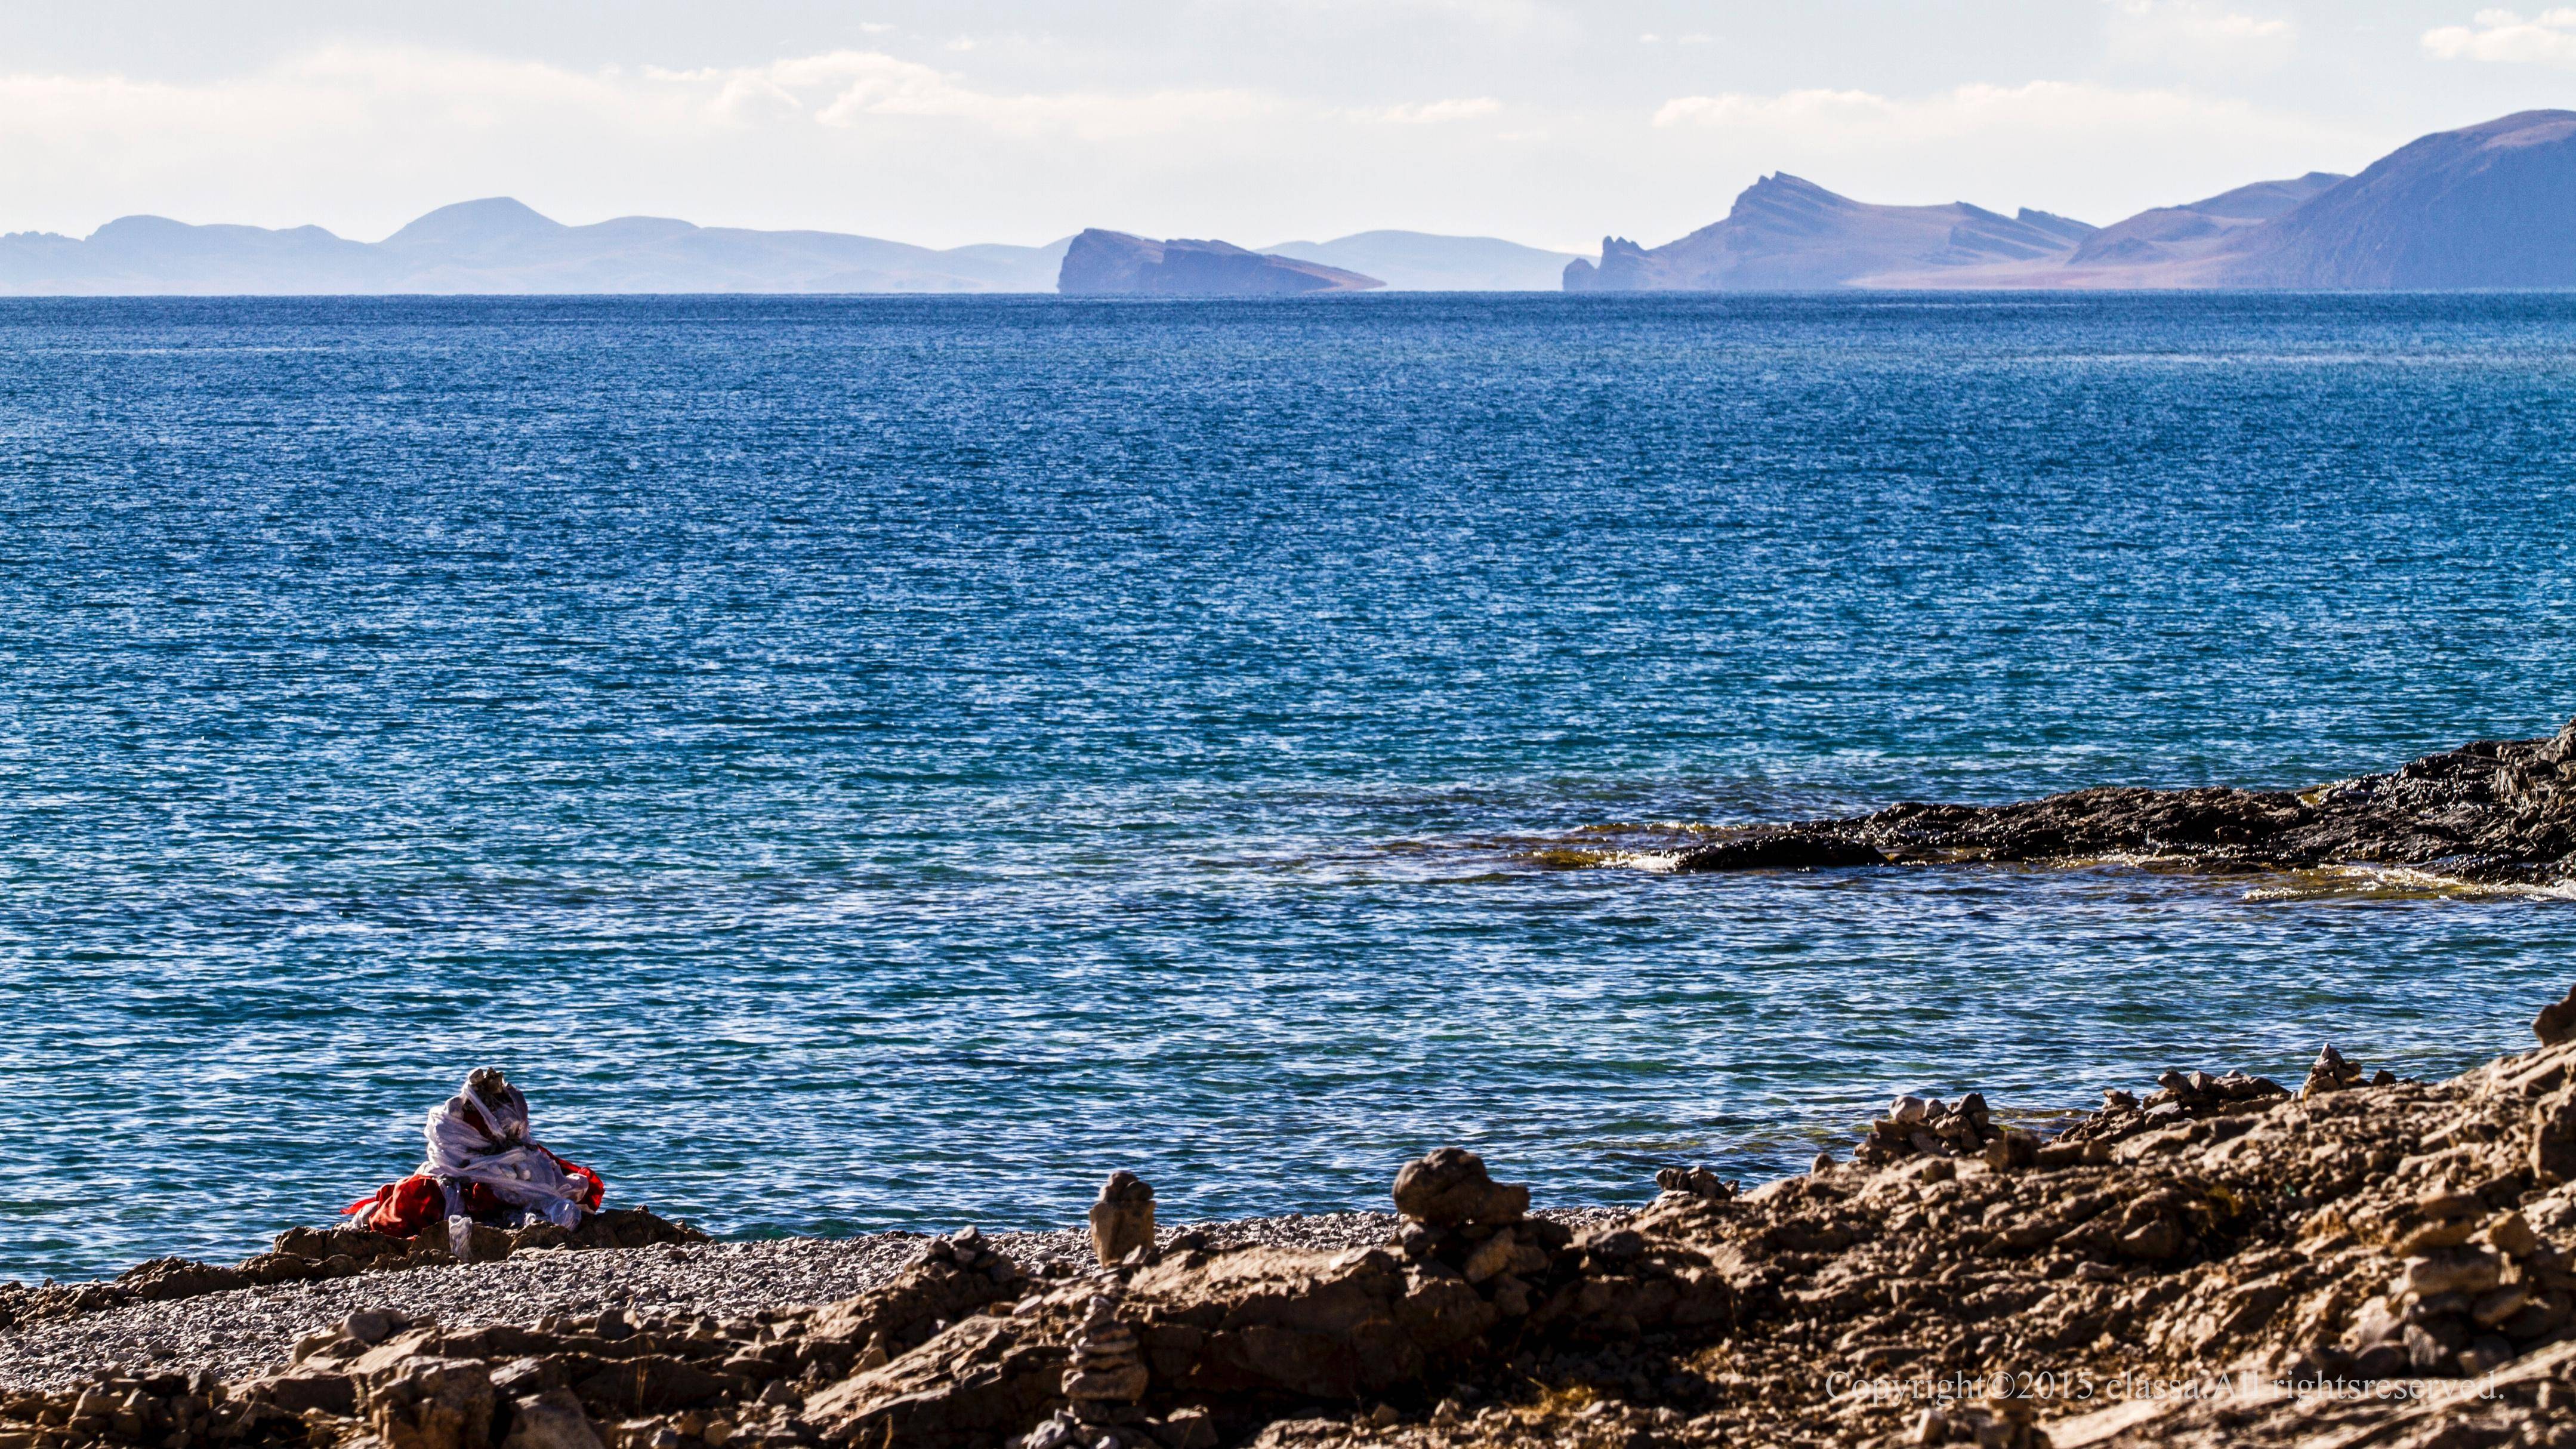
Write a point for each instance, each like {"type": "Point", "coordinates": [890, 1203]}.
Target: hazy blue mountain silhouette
{"type": "Point", "coordinates": [2486, 206]}
{"type": "Point", "coordinates": [1103, 263]}
{"type": "Point", "coordinates": [501, 245]}
{"type": "Point", "coordinates": [1413, 261]}
{"type": "Point", "coordinates": [2492, 205]}
{"type": "Point", "coordinates": [2173, 233]}
{"type": "Point", "coordinates": [1786, 233]}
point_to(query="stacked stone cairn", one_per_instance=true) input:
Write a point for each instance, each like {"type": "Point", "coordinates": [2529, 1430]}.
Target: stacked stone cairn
{"type": "Point", "coordinates": [1103, 1378]}
{"type": "Point", "coordinates": [1122, 1220]}
{"type": "Point", "coordinates": [1698, 1183]}
{"type": "Point", "coordinates": [2190, 1096]}
{"type": "Point", "coordinates": [1929, 1127]}
{"type": "Point", "coordinates": [2331, 1073]}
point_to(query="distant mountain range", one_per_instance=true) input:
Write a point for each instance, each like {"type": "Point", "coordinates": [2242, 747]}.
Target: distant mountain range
{"type": "Point", "coordinates": [501, 246]}
{"type": "Point", "coordinates": [2492, 205]}
{"type": "Point", "coordinates": [1791, 235]}
{"type": "Point", "coordinates": [1412, 261]}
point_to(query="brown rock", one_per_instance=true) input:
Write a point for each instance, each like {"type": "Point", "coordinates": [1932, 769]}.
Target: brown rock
{"type": "Point", "coordinates": [1450, 1187]}
{"type": "Point", "coordinates": [1492, 1256]}
{"type": "Point", "coordinates": [432, 1403]}
{"type": "Point", "coordinates": [1122, 1220]}
{"type": "Point", "coordinates": [2451, 1270]}
{"type": "Point", "coordinates": [553, 1420]}
{"type": "Point", "coordinates": [2553, 1137]}
{"type": "Point", "coordinates": [301, 1390]}
{"type": "Point", "coordinates": [2557, 1021]}
{"type": "Point", "coordinates": [648, 1384]}
{"type": "Point", "coordinates": [2512, 1235]}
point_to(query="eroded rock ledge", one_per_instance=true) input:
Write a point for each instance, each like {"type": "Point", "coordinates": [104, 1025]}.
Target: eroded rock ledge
{"type": "Point", "coordinates": [2493, 811]}
{"type": "Point", "coordinates": [2220, 1261]}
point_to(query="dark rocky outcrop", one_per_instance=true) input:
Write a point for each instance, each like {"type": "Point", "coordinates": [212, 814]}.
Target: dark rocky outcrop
{"type": "Point", "coordinates": [2493, 811]}
{"type": "Point", "coordinates": [1112, 263]}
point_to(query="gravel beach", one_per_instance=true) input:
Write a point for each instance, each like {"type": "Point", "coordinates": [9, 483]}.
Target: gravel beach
{"type": "Point", "coordinates": [235, 1333]}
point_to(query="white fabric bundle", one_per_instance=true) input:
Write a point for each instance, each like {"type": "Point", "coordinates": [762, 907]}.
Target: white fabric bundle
{"type": "Point", "coordinates": [518, 1171]}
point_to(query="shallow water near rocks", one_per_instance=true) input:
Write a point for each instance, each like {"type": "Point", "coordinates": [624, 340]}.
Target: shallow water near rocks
{"type": "Point", "coordinates": [885, 762]}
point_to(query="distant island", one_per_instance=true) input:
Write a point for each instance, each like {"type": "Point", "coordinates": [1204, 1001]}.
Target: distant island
{"type": "Point", "coordinates": [2488, 206]}
{"type": "Point", "coordinates": [1101, 263]}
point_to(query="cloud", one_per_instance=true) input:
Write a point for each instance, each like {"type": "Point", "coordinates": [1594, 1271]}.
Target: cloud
{"type": "Point", "coordinates": [361, 137]}
{"type": "Point", "coordinates": [848, 87]}
{"type": "Point", "coordinates": [1837, 108]}
{"type": "Point", "coordinates": [2198, 35]}
{"type": "Point", "coordinates": [1429, 113]}
{"type": "Point", "coordinates": [1856, 118]}
{"type": "Point", "coordinates": [2548, 38]}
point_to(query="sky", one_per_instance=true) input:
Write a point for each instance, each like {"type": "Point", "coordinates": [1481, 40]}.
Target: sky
{"type": "Point", "coordinates": [1258, 121]}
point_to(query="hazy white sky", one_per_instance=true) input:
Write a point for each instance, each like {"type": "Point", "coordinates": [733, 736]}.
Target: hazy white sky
{"type": "Point", "coordinates": [1255, 120]}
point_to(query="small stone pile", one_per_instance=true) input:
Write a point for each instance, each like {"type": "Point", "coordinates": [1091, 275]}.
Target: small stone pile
{"type": "Point", "coordinates": [2331, 1073]}
{"type": "Point", "coordinates": [1930, 1127]}
{"type": "Point", "coordinates": [2180, 1096]}
{"type": "Point", "coordinates": [967, 1249]}
{"type": "Point", "coordinates": [1108, 1367]}
{"type": "Point", "coordinates": [1699, 1183]}
{"type": "Point", "coordinates": [1104, 1378]}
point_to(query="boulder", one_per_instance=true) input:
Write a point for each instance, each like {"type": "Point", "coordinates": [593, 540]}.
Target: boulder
{"type": "Point", "coordinates": [301, 1390]}
{"type": "Point", "coordinates": [553, 1419]}
{"type": "Point", "coordinates": [432, 1403]}
{"type": "Point", "coordinates": [2557, 1021]}
{"type": "Point", "coordinates": [1450, 1188]}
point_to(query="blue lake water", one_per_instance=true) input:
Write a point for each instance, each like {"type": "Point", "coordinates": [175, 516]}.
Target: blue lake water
{"type": "Point", "coordinates": [886, 762]}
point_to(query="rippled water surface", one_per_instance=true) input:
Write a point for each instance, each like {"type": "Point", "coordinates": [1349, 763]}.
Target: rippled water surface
{"type": "Point", "coordinates": [886, 762]}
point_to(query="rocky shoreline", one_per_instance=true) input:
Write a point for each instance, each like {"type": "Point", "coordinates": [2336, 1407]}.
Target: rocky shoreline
{"type": "Point", "coordinates": [2218, 1260]}
{"type": "Point", "coordinates": [232, 1329]}
{"type": "Point", "coordinates": [2491, 812]}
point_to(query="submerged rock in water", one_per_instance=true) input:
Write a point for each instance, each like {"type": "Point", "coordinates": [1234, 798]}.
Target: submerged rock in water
{"type": "Point", "coordinates": [2493, 811]}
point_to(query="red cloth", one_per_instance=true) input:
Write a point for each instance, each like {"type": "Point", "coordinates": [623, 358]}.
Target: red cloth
{"type": "Point", "coordinates": [403, 1208]}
